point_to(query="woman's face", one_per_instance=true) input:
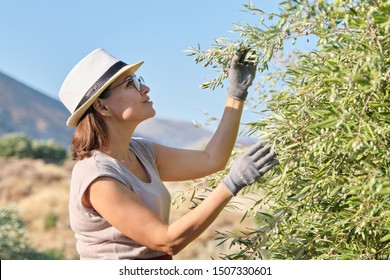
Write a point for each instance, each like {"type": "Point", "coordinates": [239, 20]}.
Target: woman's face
{"type": "Point", "coordinates": [126, 103]}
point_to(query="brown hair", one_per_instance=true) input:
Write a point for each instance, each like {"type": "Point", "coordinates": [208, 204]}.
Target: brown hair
{"type": "Point", "coordinates": [90, 133]}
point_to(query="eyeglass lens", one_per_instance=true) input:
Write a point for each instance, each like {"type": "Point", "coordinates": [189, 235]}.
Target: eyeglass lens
{"type": "Point", "coordinates": [138, 82]}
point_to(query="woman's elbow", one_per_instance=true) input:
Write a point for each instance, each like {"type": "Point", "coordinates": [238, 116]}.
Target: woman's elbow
{"type": "Point", "coordinates": [170, 249]}
{"type": "Point", "coordinates": [220, 165]}
{"type": "Point", "coordinates": [217, 164]}
{"type": "Point", "coordinates": [166, 244]}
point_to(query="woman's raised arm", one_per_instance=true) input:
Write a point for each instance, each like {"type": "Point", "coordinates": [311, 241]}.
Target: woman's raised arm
{"type": "Point", "coordinates": [178, 164]}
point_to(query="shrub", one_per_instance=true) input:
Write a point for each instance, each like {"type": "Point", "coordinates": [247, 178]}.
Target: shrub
{"type": "Point", "coordinates": [49, 150]}
{"type": "Point", "coordinates": [15, 145]}
{"type": "Point", "coordinates": [13, 242]}
{"type": "Point", "coordinates": [51, 220]}
{"type": "Point", "coordinates": [21, 146]}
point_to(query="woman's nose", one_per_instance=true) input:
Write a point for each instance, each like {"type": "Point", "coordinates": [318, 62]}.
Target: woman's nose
{"type": "Point", "coordinates": [144, 89]}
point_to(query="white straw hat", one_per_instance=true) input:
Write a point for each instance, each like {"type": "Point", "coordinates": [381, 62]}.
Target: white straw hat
{"type": "Point", "coordinates": [88, 79]}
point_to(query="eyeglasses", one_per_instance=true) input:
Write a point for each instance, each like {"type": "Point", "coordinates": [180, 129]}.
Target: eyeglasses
{"type": "Point", "coordinates": [131, 81]}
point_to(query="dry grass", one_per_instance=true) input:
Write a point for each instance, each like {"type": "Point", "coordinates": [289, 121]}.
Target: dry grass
{"type": "Point", "coordinates": [38, 189]}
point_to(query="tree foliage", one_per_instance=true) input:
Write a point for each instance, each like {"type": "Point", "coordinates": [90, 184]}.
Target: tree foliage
{"type": "Point", "coordinates": [328, 117]}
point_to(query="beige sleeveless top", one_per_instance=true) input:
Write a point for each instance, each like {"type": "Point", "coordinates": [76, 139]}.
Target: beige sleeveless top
{"type": "Point", "coordinates": [95, 237]}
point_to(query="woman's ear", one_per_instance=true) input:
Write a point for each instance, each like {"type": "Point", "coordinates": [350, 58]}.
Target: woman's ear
{"type": "Point", "coordinates": [100, 107]}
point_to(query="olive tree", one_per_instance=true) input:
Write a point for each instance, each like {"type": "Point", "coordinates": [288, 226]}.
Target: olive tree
{"type": "Point", "coordinates": [327, 113]}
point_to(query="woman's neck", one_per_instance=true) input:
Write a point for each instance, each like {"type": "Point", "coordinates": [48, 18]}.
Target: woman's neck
{"type": "Point", "coordinates": [118, 141]}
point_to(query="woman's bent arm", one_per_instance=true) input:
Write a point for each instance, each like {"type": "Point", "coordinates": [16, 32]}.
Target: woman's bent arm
{"type": "Point", "coordinates": [122, 209]}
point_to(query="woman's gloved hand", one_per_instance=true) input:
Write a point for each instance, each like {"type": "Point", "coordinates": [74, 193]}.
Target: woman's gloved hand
{"type": "Point", "coordinates": [249, 167]}
{"type": "Point", "coordinates": [241, 74]}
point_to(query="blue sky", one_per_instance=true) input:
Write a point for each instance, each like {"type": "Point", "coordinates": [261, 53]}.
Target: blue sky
{"type": "Point", "coordinates": [41, 40]}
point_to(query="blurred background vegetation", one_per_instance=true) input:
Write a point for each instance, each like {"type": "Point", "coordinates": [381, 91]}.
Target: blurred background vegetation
{"type": "Point", "coordinates": [14, 244]}
{"type": "Point", "coordinates": [14, 240]}
{"type": "Point", "coordinates": [21, 146]}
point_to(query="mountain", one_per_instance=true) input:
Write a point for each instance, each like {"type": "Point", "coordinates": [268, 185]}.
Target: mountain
{"type": "Point", "coordinates": [23, 109]}
{"type": "Point", "coordinates": [173, 133]}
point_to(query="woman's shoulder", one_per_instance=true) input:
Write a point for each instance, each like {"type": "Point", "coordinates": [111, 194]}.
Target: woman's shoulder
{"type": "Point", "coordinates": [142, 145]}
{"type": "Point", "coordinates": [97, 161]}
{"type": "Point", "coordinates": [99, 165]}
{"type": "Point", "coordinates": [140, 142]}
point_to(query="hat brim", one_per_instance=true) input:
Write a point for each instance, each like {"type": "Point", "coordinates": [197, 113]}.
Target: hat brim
{"type": "Point", "coordinates": [74, 119]}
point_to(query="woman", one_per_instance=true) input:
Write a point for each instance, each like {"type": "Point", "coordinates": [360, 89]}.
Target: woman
{"type": "Point", "coordinates": [119, 207]}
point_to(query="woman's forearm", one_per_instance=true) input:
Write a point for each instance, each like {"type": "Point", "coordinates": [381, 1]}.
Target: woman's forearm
{"type": "Point", "coordinates": [190, 226]}
{"type": "Point", "coordinates": [221, 144]}
{"type": "Point", "coordinates": [186, 164]}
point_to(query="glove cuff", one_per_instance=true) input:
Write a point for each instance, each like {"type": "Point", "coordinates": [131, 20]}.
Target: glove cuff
{"type": "Point", "coordinates": [237, 93]}
{"type": "Point", "coordinates": [230, 185]}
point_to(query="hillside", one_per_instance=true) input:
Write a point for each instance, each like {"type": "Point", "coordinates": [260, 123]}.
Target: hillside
{"type": "Point", "coordinates": [23, 109]}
